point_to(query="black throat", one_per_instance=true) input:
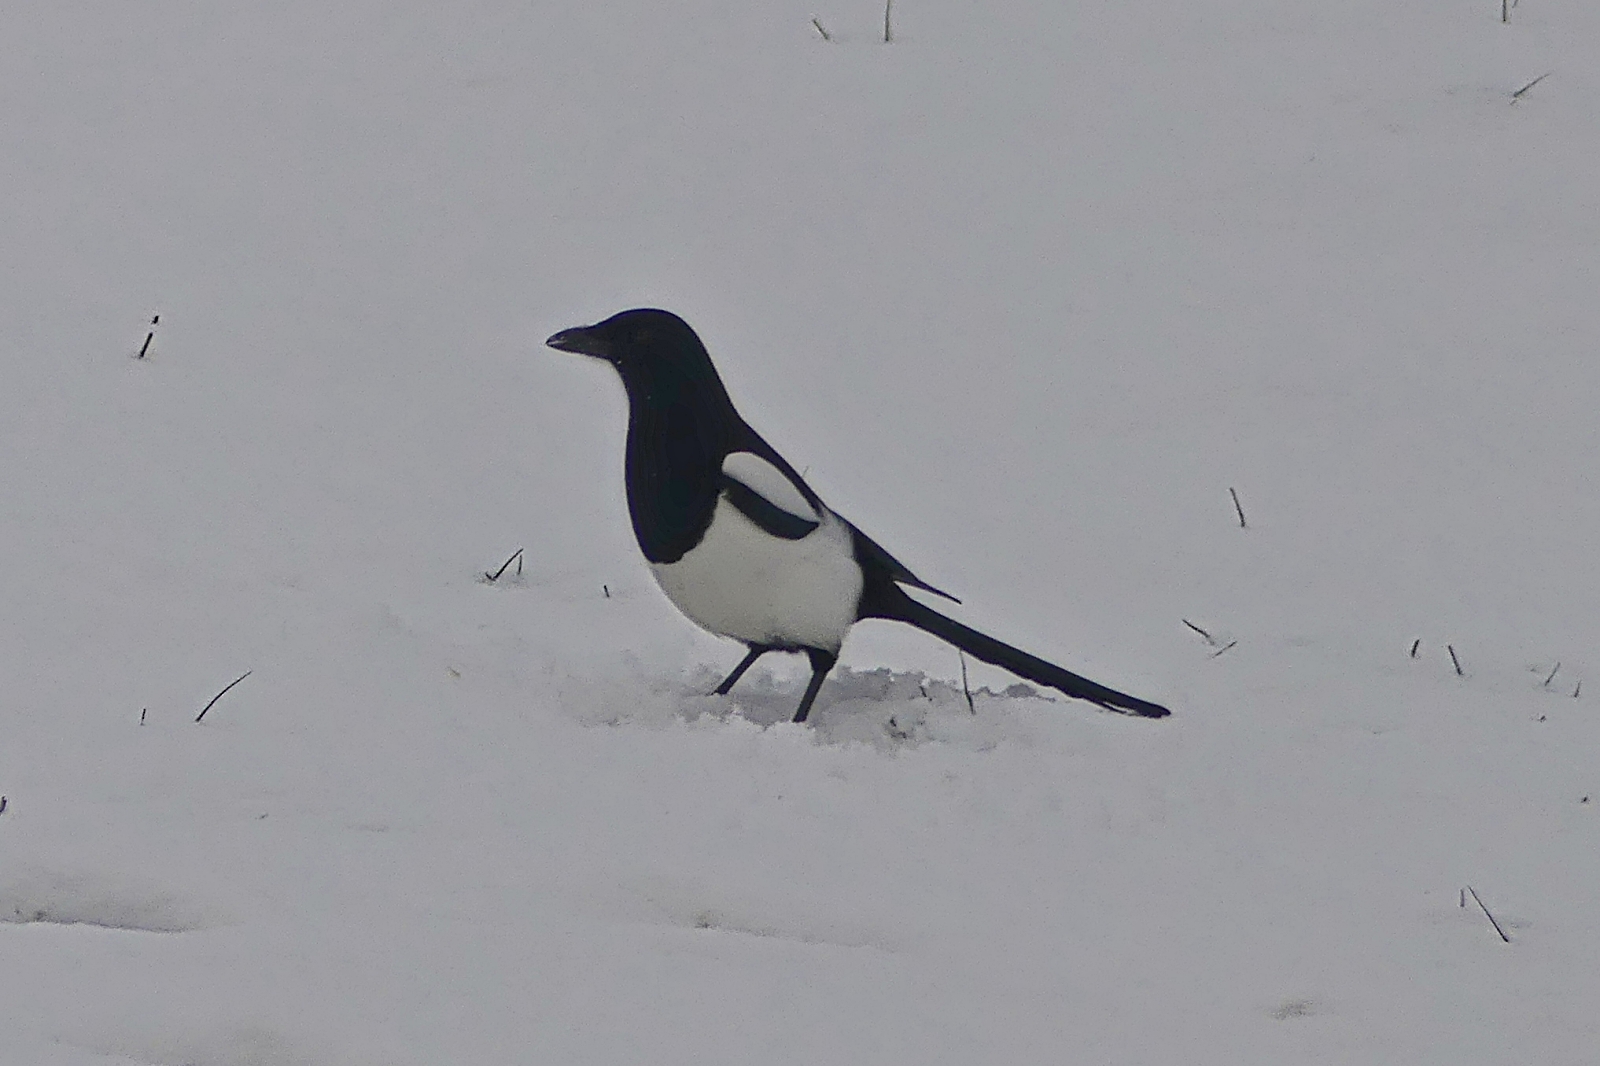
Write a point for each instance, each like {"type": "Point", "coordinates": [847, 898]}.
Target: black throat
{"type": "Point", "coordinates": [681, 425]}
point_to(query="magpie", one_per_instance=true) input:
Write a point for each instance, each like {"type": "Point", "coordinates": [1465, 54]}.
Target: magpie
{"type": "Point", "coordinates": [739, 542]}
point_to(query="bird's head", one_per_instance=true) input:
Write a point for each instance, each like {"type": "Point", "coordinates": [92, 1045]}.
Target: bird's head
{"type": "Point", "coordinates": [635, 340]}
{"type": "Point", "coordinates": [660, 358]}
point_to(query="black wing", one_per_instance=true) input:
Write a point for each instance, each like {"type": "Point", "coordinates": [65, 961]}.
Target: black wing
{"type": "Point", "coordinates": [769, 495]}
{"type": "Point", "coordinates": [875, 561]}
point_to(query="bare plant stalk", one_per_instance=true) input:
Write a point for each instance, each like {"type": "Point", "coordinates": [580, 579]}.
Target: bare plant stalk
{"type": "Point", "coordinates": [965, 691]}
{"type": "Point", "coordinates": [1224, 648]}
{"type": "Point", "coordinates": [142, 713]}
{"type": "Point", "coordinates": [516, 557]}
{"type": "Point", "coordinates": [1505, 11]}
{"type": "Point", "coordinates": [826, 36]}
{"type": "Point", "coordinates": [2, 805]}
{"type": "Point", "coordinates": [1415, 644]}
{"type": "Point", "coordinates": [1207, 637]}
{"type": "Point", "coordinates": [1552, 675]}
{"type": "Point", "coordinates": [148, 337]}
{"type": "Point", "coordinates": [221, 694]}
{"type": "Point", "coordinates": [1238, 509]}
{"type": "Point", "coordinates": [1577, 689]}
{"type": "Point", "coordinates": [1487, 915]}
{"type": "Point", "coordinates": [888, 30]}
{"type": "Point", "coordinates": [1518, 94]}
{"type": "Point", "coordinates": [1452, 649]}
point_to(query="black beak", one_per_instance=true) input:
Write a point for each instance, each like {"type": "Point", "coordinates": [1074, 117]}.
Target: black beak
{"type": "Point", "coordinates": [582, 341]}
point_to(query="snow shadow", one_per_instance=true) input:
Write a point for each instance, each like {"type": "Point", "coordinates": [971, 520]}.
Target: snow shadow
{"type": "Point", "coordinates": [46, 897]}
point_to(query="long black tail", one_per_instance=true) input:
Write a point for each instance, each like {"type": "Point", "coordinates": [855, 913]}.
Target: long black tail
{"type": "Point", "coordinates": [896, 605]}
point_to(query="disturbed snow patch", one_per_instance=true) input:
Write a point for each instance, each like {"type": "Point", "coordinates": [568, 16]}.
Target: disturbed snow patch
{"type": "Point", "coordinates": [239, 1044]}
{"type": "Point", "coordinates": [48, 897]}
{"type": "Point", "coordinates": [885, 708]}
{"type": "Point", "coordinates": [697, 906]}
{"type": "Point", "coordinates": [1294, 1008]}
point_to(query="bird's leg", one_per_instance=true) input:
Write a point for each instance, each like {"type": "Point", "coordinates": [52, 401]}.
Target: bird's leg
{"type": "Point", "coordinates": [756, 652]}
{"type": "Point", "coordinates": [821, 663]}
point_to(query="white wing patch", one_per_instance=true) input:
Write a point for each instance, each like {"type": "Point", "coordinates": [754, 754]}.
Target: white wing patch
{"type": "Point", "coordinates": [768, 482]}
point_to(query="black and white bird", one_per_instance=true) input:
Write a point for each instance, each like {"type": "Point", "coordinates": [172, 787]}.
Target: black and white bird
{"type": "Point", "coordinates": [739, 542]}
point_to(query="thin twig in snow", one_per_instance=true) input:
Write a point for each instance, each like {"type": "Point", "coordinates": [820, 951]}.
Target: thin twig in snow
{"type": "Point", "coordinates": [1207, 637]}
{"type": "Point", "coordinates": [1489, 916]}
{"type": "Point", "coordinates": [221, 694]}
{"type": "Point", "coordinates": [1518, 94]}
{"type": "Point", "coordinates": [1452, 649]}
{"type": "Point", "coordinates": [888, 31]}
{"type": "Point", "coordinates": [148, 337]}
{"type": "Point", "coordinates": [516, 557]}
{"type": "Point", "coordinates": [1237, 508]}
{"type": "Point", "coordinates": [1415, 644]}
{"type": "Point", "coordinates": [1552, 676]}
{"type": "Point", "coordinates": [826, 36]}
{"type": "Point", "coordinates": [964, 689]}
{"type": "Point", "coordinates": [1224, 648]}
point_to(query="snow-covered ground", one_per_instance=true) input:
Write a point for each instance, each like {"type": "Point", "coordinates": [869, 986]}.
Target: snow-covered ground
{"type": "Point", "coordinates": [1025, 292]}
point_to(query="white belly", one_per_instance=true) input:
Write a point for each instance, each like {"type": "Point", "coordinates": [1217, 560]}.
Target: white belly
{"type": "Point", "coordinates": [742, 582]}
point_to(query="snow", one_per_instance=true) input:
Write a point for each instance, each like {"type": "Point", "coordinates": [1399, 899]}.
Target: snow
{"type": "Point", "coordinates": [1023, 294]}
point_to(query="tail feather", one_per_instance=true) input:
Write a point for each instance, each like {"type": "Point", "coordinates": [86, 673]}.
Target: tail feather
{"type": "Point", "coordinates": [903, 608]}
